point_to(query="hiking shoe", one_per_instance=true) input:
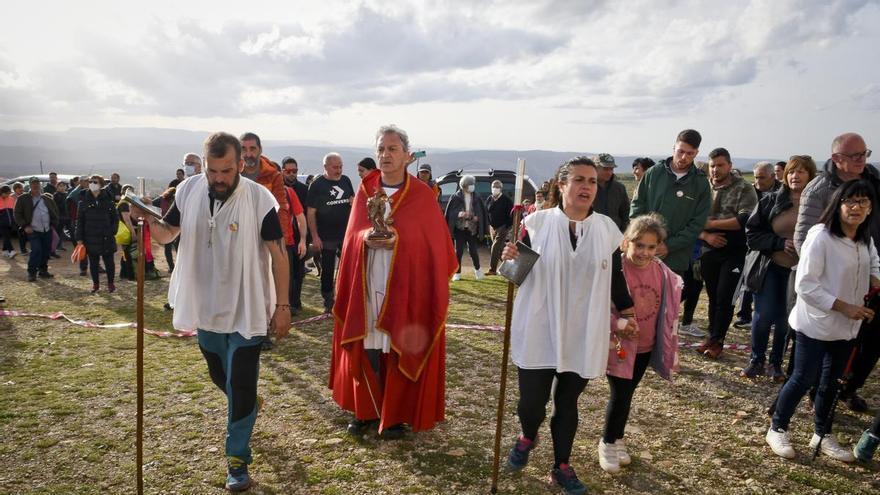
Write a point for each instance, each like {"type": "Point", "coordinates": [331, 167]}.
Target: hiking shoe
{"type": "Point", "coordinates": [691, 331]}
{"type": "Point", "coordinates": [519, 453]}
{"type": "Point", "coordinates": [865, 448]}
{"type": "Point", "coordinates": [237, 478]}
{"type": "Point", "coordinates": [780, 443]}
{"type": "Point", "coordinates": [742, 322]}
{"type": "Point", "coordinates": [701, 349]}
{"type": "Point", "coordinates": [831, 448]}
{"type": "Point", "coordinates": [478, 274]}
{"type": "Point", "coordinates": [774, 371]}
{"type": "Point", "coordinates": [714, 350]}
{"type": "Point", "coordinates": [565, 477]}
{"type": "Point", "coordinates": [456, 277]}
{"type": "Point", "coordinates": [358, 427]}
{"type": "Point", "coordinates": [395, 432]}
{"type": "Point", "coordinates": [623, 457]}
{"type": "Point", "coordinates": [754, 370]}
{"type": "Point", "coordinates": [608, 459]}
{"type": "Point", "coordinates": [855, 402]}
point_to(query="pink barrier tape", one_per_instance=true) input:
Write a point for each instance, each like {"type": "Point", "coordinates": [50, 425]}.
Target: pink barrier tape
{"type": "Point", "coordinates": [486, 328]}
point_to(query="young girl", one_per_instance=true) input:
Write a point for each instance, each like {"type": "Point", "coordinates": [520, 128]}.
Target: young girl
{"type": "Point", "coordinates": [656, 291]}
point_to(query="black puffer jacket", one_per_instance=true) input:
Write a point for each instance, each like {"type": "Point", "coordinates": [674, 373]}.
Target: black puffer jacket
{"type": "Point", "coordinates": [96, 223]}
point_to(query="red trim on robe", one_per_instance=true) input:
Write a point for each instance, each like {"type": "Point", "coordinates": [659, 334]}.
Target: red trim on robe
{"type": "Point", "coordinates": [411, 384]}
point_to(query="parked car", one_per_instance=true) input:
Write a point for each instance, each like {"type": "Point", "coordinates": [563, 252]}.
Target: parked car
{"type": "Point", "coordinates": [449, 183]}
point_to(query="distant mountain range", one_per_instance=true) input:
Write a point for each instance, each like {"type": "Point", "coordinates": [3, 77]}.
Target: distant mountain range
{"type": "Point", "coordinates": [157, 153]}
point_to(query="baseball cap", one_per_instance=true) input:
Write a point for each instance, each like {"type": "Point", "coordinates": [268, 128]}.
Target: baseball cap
{"type": "Point", "coordinates": [32, 180]}
{"type": "Point", "coordinates": [605, 160]}
{"type": "Point", "coordinates": [424, 166]}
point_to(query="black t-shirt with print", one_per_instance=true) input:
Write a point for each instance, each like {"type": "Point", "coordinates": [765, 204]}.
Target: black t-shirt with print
{"type": "Point", "coordinates": [331, 200]}
{"type": "Point", "coordinates": [270, 230]}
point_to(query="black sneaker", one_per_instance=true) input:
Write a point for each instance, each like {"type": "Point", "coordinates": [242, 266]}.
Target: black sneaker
{"type": "Point", "coordinates": [395, 432]}
{"type": "Point", "coordinates": [565, 477]}
{"type": "Point", "coordinates": [358, 427]}
{"type": "Point", "coordinates": [742, 322]}
{"type": "Point", "coordinates": [32, 277]}
{"type": "Point", "coordinates": [519, 453]}
{"type": "Point", "coordinates": [754, 370]}
{"type": "Point", "coordinates": [46, 275]}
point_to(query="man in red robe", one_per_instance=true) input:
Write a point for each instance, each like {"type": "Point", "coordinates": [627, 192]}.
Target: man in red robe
{"type": "Point", "coordinates": [389, 344]}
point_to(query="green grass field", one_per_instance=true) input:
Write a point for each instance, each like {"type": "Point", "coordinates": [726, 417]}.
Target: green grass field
{"type": "Point", "coordinates": [67, 413]}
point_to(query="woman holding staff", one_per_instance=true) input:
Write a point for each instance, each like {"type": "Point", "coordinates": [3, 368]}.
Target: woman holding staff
{"type": "Point", "coordinates": [561, 314]}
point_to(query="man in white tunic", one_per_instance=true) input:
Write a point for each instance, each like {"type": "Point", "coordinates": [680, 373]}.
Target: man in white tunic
{"type": "Point", "coordinates": [232, 268]}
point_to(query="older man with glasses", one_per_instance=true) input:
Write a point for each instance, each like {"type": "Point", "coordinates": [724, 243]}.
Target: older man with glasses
{"type": "Point", "coordinates": [848, 161]}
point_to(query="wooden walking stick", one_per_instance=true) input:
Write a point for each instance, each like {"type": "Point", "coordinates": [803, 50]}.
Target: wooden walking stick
{"type": "Point", "coordinates": [140, 351]}
{"type": "Point", "coordinates": [517, 213]}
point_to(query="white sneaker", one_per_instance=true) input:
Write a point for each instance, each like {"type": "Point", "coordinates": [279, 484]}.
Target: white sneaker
{"type": "Point", "coordinates": [623, 457]}
{"type": "Point", "coordinates": [780, 443]}
{"type": "Point", "coordinates": [456, 277]}
{"type": "Point", "coordinates": [608, 459]}
{"type": "Point", "coordinates": [832, 449]}
{"type": "Point", "coordinates": [691, 330]}
{"type": "Point", "coordinates": [478, 274]}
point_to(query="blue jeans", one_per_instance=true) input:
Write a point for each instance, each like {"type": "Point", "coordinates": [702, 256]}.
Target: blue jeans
{"type": "Point", "coordinates": [770, 305]}
{"type": "Point", "coordinates": [815, 361]}
{"type": "Point", "coordinates": [234, 365]}
{"type": "Point", "coordinates": [41, 246]}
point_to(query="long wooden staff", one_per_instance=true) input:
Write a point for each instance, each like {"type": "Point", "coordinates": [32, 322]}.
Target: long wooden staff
{"type": "Point", "coordinates": [142, 250]}
{"type": "Point", "coordinates": [517, 213]}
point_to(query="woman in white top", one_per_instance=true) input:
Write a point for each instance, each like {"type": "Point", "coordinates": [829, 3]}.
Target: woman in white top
{"type": "Point", "coordinates": [561, 313]}
{"type": "Point", "coordinates": [837, 267]}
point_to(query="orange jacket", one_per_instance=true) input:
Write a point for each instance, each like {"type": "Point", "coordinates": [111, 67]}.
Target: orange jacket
{"type": "Point", "coordinates": [271, 179]}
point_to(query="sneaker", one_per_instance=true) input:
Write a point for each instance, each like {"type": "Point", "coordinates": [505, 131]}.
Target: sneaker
{"type": "Point", "coordinates": [608, 459]}
{"type": "Point", "coordinates": [565, 477]}
{"type": "Point", "coordinates": [237, 478]}
{"type": "Point", "coordinates": [701, 349]}
{"type": "Point", "coordinates": [775, 372]}
{"type": "Point", "coordinates": [623, 457]}
{"type": "Point", "coordinates": [46, 275]}
{"type": "Point", "coordinates": [742, 322]}
{"type": "Point", "coordinates": [478, 274]}
{"type": "Point", "coordinates": [395, 432]}
{"type": "Point", "coordinates": [456, 277]}
{"type": "Point", "coordinates": [865, 448]}
{"type": "Point", "coordinates": [831, 448]}
{"type": "Point", "coordinates": [691, 331]}
{"type": "Point", "coordinates": [754, 370]}
{"type": "Point", "coordinates": [780, 443]}
{"type": "Point", "coordinates": [714, 350]}
{"type": "Point", "coordinates": [357, 427]}
{"type": "Point", "coordinates": [519, 453]}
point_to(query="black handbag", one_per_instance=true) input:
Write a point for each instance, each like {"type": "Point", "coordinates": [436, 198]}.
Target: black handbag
{"type": "Point", "coordinates": [755, 269]}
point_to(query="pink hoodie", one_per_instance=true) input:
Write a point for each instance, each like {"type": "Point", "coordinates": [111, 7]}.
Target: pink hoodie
{"type": "Point", "coordinates": [666, 361]}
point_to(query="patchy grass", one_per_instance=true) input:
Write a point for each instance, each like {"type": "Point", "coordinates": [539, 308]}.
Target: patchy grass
{"type": "Point", "coordinates": [67, 413]}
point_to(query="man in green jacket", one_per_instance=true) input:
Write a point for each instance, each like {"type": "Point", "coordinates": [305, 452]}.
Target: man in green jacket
{"type": "Point", "coordinates": [680, 193]}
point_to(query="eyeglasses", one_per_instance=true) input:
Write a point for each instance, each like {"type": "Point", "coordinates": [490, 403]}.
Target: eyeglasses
{"type": "Point", "coordinates": [853, 202]}
{"type": "Point", "coordinates": [856, 156]}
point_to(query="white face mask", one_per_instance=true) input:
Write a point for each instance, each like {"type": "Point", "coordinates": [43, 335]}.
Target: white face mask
{"type": "Point", "coordinates": [469, 188]}
{"type": "Point", "coordinates": [496, 191]}
{"type": "Point", "coordinates": [189, 170]}
{"type": "Point", "coordinates": [94, 187]}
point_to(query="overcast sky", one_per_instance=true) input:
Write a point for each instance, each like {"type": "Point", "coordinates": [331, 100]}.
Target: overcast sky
{"type": "Point", "coordinates": [763, 78]}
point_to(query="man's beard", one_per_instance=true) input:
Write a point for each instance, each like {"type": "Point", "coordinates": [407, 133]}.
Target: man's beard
{"type": "Point", "coordinates": [290, 180]}
{"type": "Point", "coordinates": [251, 162]}
{"type": "Point", "coordinates": [224, 195]}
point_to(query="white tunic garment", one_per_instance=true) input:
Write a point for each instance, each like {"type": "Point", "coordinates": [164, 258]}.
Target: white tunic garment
{"type": "Point", "coordinates": [378, 268]}
{"type": "Point", "coordinates": [222, 281]}
{"type": "Point", "coordinates": [563, 308]}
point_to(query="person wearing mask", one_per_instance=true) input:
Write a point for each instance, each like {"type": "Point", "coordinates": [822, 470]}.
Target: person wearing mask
{"type": "Point", "coordinates": [192, 164]}
{"type": "Point", "coordinates": [37, 214]}
{"type": "Point", "coordinates": [500, 209]}
{"type": "Point", "coordinates": [838, 265]}
{"type": "Point", "coordinates": [365, 166]}
{"type": "Point", "coordinates": [770, 230]}
{"type": "Point", "coordinates": [561, 315]}
{"type": "Point", "coordinates": [466, 218]}
{"type": "Point", "coordinates": [7, 220]}
{"type": "Point", "coordinates": [96, 225]}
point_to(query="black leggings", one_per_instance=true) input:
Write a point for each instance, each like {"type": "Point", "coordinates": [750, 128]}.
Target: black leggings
{"type": "Point", "coordinates": [463, 237]}
{"type": "Point", "coordinates": [94, 266]}
{"type": "Point", "coordinates": [620, 399]}
{"type": "Point", "coordinates": [534, 392]}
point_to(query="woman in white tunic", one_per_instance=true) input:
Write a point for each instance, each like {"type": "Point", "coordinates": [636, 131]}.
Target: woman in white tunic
{"type": "Point", "coordinates": [561, 313]}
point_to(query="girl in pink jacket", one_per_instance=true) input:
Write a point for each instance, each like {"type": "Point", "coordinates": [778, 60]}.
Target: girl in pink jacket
{"type": "Point", "coordinates": [656, 291]}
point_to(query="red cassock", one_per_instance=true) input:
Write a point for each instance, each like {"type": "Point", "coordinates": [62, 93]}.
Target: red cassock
{"type": "Point", "coordinates": [411, 385]}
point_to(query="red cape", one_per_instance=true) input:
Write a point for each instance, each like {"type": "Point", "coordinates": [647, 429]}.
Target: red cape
{"type": "Point", "coordinates": [412, 385]}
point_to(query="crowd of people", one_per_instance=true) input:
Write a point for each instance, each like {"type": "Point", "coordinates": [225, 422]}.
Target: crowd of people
{"type": "Point", "coordinates": [605, 296]}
